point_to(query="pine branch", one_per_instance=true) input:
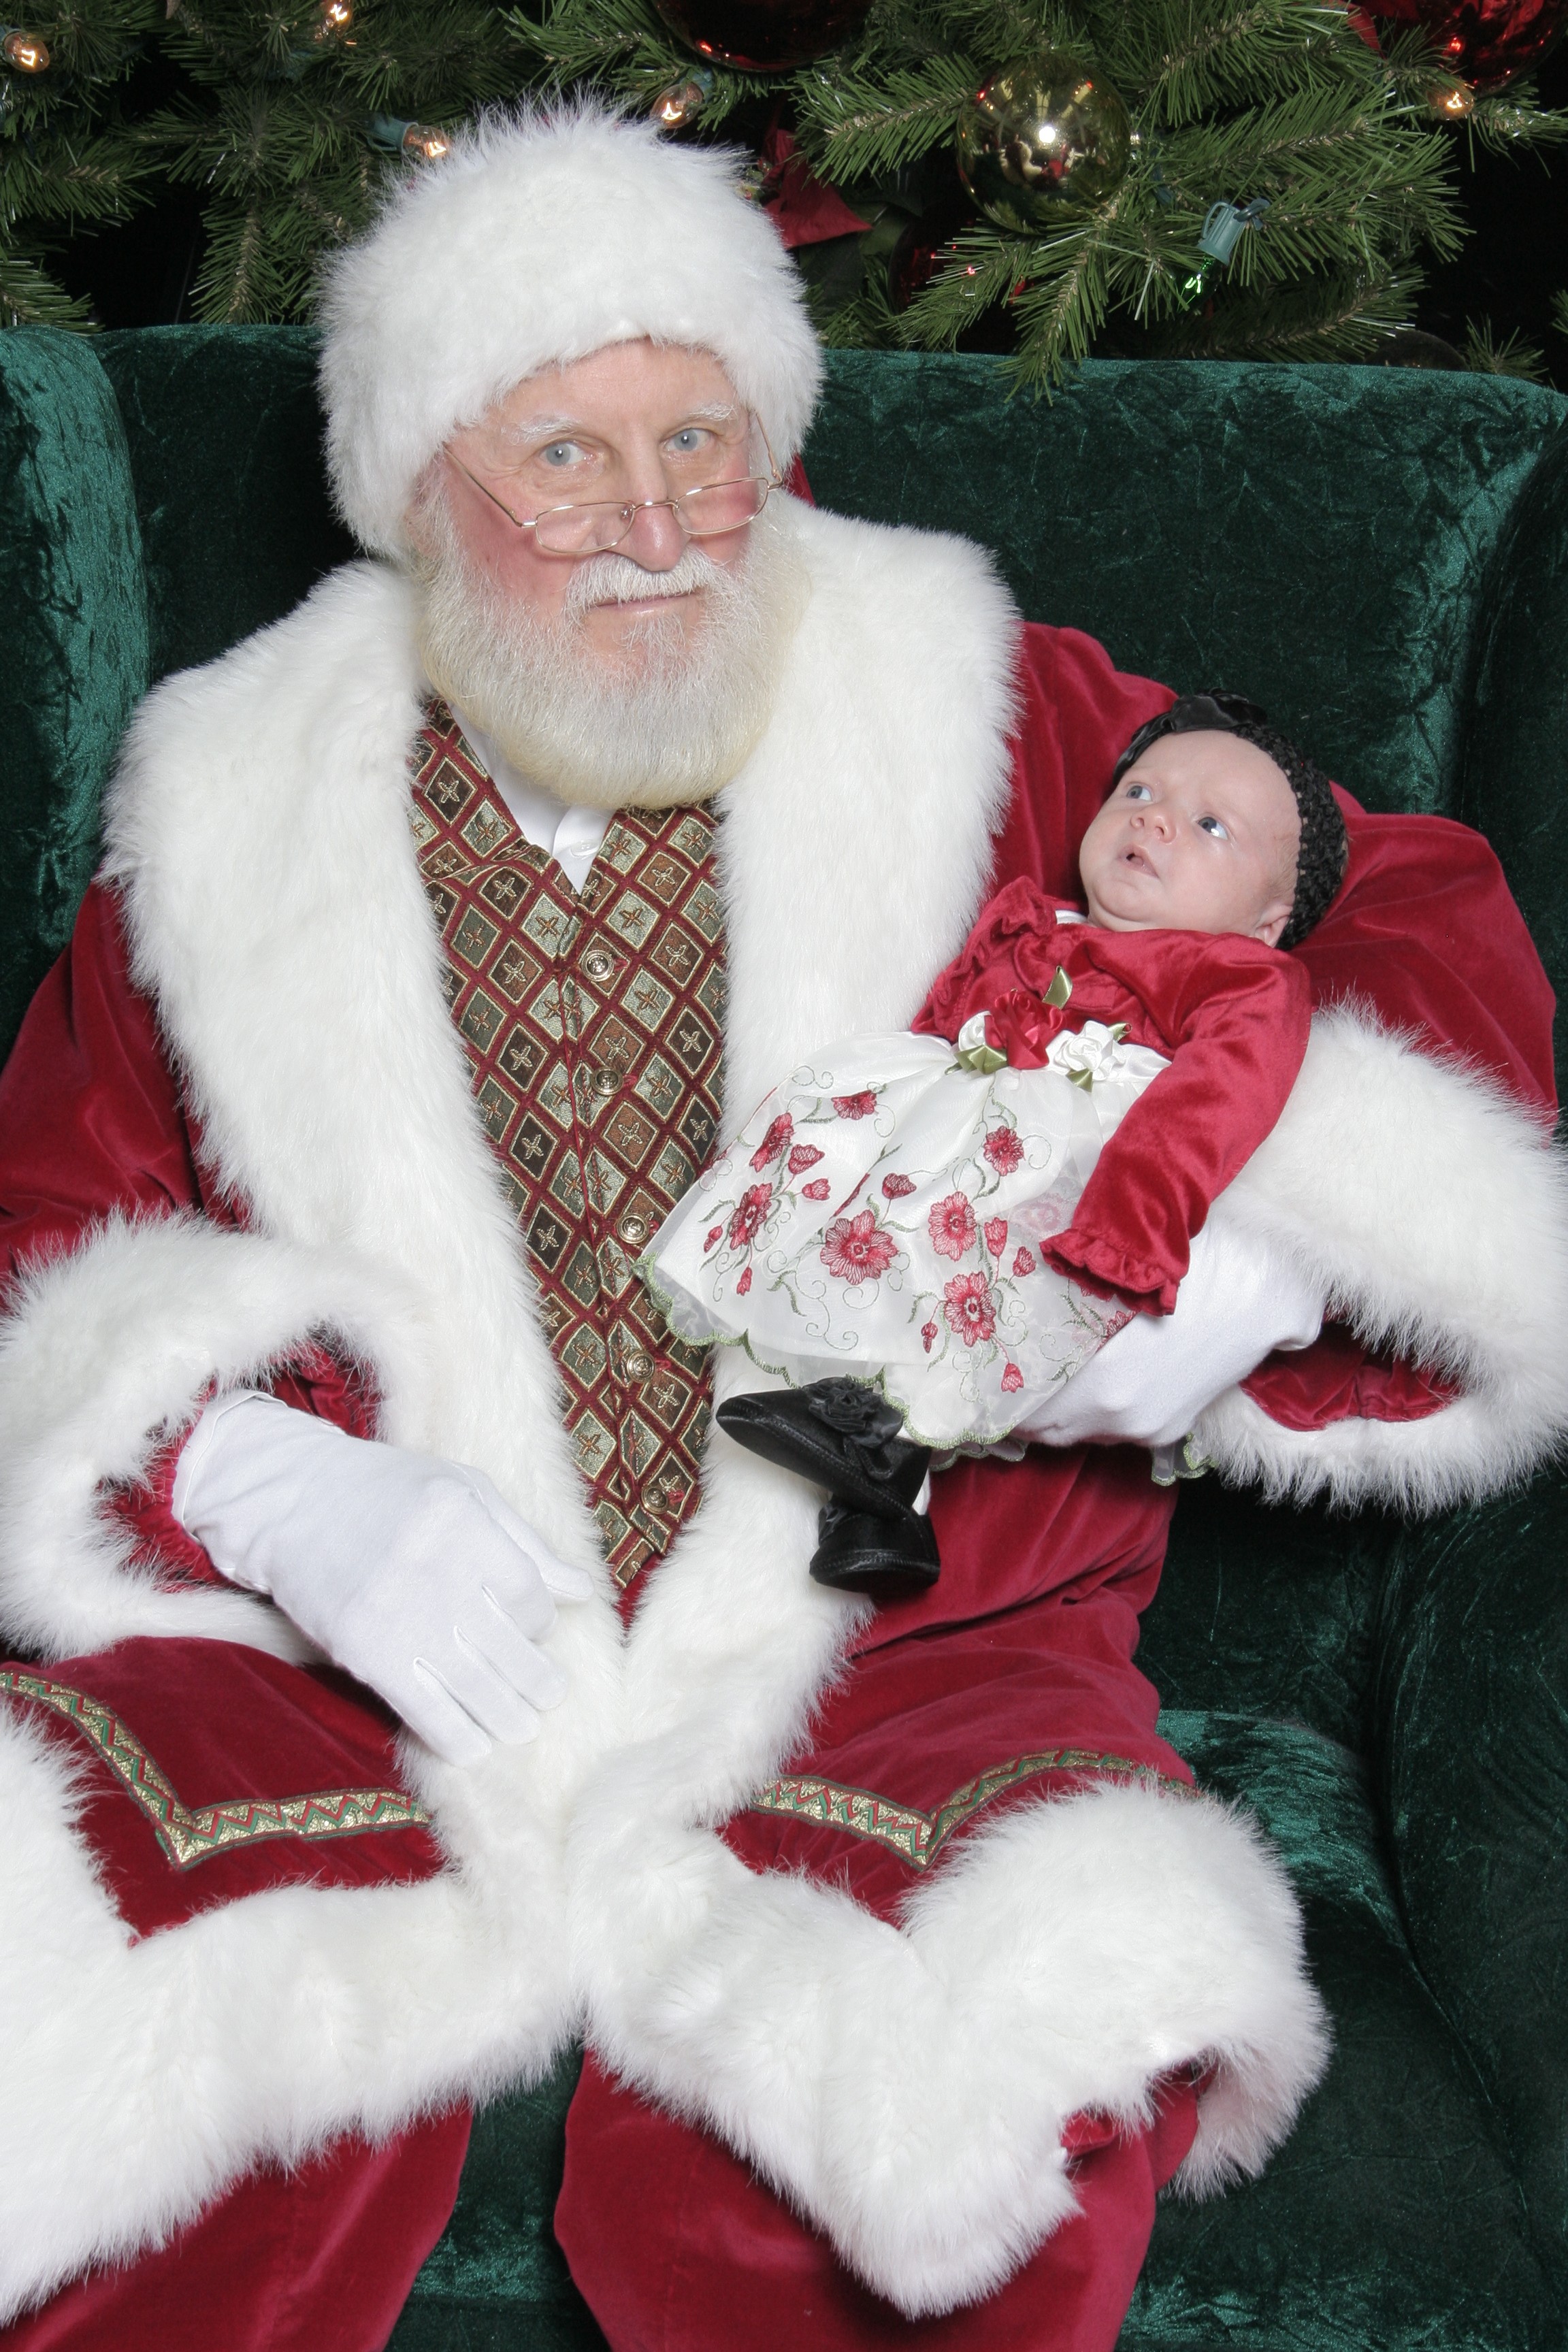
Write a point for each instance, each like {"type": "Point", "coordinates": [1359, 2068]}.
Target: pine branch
{"type": "Point", "coordinates": [30, 297]}
{"type": "Point", "coordinates": [1186, 60]}
{"type": "Point", "coordinates": [856, 128]}
{"type": "Point", "coordinates": [1511, 356]}
{"type": "Point", "coordinates": [1343, 318]}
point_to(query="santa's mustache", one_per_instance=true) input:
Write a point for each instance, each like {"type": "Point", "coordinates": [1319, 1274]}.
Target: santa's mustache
{"type": "Point", "coordinates": [615, 579]}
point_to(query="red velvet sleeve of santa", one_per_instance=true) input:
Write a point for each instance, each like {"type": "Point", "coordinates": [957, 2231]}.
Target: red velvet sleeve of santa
{"type": "Point", "coordinates": [97, 1130]}
{"type": "Point", "coordinates": [1413, 1151]}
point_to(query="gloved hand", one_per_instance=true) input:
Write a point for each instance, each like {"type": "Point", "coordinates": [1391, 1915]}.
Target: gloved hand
{"type": "Point", "coordinates": [411, 1574]}
{"type": "Point", "coordinates": [1237, 1302]}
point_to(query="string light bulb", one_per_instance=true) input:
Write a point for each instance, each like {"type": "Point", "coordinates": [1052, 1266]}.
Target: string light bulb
{"type": "Point", "coordinates": [426, 146]}
{"type": "Point", "coordinates": [683, 102]}
{"type": "Point", "coordinates": [1454, 104]}
{"type": "Point", "coordinates": [25, 51]}
{"type": "Point", "coordinates": [333, 18]}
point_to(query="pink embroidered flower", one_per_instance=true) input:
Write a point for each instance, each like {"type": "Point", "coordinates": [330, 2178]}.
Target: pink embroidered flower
{"type": "Point", "coordinates": [713, 1233]}
{"type": "Point", "coordinates": [749, 1216]}
{"type": "Point", "coordinates": [1011, 1378]}
{"type": "Point", "coordinates": [951, 1225]}
{"type": "Point", "coordinates": [818, 1191]}
{"type": "Point", "coordinates": [969, 1309]}
{"type": "Point", "coordinates": [928, 1333]}
{"type": "Point", "coordinates": [859, 1106]}
{"type": "Point", "coordinates": [745, 1283]}
{"type": "Point", "coordinates": [896, 1187]}
{"type": "Point", "coordinates": [996, 1235]}
{"type": "Point", "coordinates": [1024, 1262]}
{"type": "Point", "coordinates": [854, 1250]}
{"type": "Point", "coordinates": [1003, 1150]}
{"type": "Point", "coordinates": [803, 1155]}
{"type": "Point", "coordinates": [773, 1143]}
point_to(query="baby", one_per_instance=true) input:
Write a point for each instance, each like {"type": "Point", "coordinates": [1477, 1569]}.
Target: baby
{"type": "Point", "coordinates": [927, 1233]}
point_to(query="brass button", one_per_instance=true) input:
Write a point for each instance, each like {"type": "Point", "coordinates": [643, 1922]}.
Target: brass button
{"type": "Point", "coordinates": [605, 1080]}
{"type": "Point", "coordinates": [598, 963]}
{"type": "Point", "coordinates": [634, 1230]}
{"type": "Point", "coordinates": [638, 1364]}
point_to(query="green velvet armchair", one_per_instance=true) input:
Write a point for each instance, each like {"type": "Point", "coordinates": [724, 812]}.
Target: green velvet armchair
{"type": "Point", "coordinates": [1381, 557]}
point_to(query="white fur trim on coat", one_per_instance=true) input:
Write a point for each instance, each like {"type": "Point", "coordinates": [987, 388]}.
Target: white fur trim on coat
{"type": "Point", "coordinates": [1062, 1957]}
{"type": "Point", "coordinates": [535, 241]}
{"type": "Point", "coordinates": [1433, 1210]}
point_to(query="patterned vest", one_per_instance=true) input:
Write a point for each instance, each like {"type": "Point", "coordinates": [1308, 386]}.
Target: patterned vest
{"type": "Point", "coordinates": [594, 1029]}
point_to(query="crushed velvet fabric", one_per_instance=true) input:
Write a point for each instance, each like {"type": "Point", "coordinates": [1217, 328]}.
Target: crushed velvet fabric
{"type": "Point", "coordinates": [76, 639]}
{"type": "Point", "coordinates": [1382, 559]}
{"type": "Point", "coordinates": [1321, 539]}
{"type": "Point", "coordinates": [224, 442]}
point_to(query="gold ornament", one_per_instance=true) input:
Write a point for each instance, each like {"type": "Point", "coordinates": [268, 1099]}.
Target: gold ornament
{"type": "Point", "coordinates": [1039, 137]}
{"type": "Point", "coordinates": [25, 51]}
{"type": "Point", "coordinates": [681, 103]}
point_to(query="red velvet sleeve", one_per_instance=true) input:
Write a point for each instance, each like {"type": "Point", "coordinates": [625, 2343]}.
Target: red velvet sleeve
{"type": "Point", "coordinates": [92, 1123]}
{"type": "Point", "coordinates": [1238, 1016]}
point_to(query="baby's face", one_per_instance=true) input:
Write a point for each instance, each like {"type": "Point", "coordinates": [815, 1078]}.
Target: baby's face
{"type": "Point", "coordinates": [1201, 834]}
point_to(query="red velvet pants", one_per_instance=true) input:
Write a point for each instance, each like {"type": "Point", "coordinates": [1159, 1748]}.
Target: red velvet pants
{"type": "Point", "coordinates": [674, 2243]}
{"type": "Point", "coordinates": [320, 2260]}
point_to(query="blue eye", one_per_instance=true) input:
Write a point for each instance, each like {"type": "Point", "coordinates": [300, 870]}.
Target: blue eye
{"type": "Point", "coordinates": [1213, 827]}
{"type": "Point", "coordinates": [1137, 791]}
{"type": "Point", "coordinates": [687, 442]}
{"type": "Point", "coordinates": [560, 453]}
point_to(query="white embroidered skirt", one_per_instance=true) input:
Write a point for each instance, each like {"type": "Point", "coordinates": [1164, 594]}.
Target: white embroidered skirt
{"type": "Point", "coordinates": [879, 1216]}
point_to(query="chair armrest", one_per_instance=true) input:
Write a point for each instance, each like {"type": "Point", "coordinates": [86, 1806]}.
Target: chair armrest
{"type": "Point", "coordinates": [75, 664]}
{"type": "Point", "coordinates": [1514, 773]}
{"type": "Point", "coordinates": [1470, 1753]}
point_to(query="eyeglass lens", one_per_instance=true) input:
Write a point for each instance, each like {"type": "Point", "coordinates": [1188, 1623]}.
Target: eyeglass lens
{"type": "Point", "coordinates": [593, 529]}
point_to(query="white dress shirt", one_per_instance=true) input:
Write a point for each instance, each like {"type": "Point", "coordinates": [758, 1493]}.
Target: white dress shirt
{"type": "Point", "coordinates": [571, 836]}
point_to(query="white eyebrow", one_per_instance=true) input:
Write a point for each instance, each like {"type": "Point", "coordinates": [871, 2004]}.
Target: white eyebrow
{"type": "Point", "coordinates": [561, 428]}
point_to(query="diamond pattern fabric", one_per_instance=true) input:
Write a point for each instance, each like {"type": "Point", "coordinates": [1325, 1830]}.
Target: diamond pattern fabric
{"type": "Point", "coordinates": [594, 1028]}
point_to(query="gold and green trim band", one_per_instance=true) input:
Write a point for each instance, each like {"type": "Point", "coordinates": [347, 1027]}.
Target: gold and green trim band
{"type": "Point", "coordinates": [189, 1834]}
{"type": "Point", "coordinates": [918, 1838]}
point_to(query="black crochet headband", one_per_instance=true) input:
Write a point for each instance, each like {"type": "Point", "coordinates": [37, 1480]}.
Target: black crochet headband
{"type": "Point", "coordinates": [1325, 845]}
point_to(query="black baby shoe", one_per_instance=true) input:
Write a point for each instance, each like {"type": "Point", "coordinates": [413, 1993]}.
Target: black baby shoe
{"type": "Point", "coordinates": [859, 1551]}
{"type": "Point", "coordinates": [841, 1434]}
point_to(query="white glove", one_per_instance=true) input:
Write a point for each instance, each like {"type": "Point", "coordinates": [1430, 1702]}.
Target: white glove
{"type": "Point", "coordinates": [1237, 1302]}
{"type": "Point", "coordinates": [411, 1574]}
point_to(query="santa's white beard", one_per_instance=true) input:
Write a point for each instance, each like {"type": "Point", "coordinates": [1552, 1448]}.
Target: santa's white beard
{"type": "Point", "coordinates": [669, 720]}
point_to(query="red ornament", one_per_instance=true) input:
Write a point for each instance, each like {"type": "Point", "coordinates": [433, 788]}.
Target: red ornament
{"type": "Point", "coordinates": [763, 36]}
{"type": "Point", "coordinates": [1486, 42]}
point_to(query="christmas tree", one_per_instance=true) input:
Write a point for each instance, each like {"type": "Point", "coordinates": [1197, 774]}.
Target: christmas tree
{"type": "Point", "coordinates": [292, 116]}
{"type": "Point", "coordinates": [1201, 178]}
{"type": "Point", "coordinates": [67, 156]}
{"type": "Point", "coordinates": [1213, 178]}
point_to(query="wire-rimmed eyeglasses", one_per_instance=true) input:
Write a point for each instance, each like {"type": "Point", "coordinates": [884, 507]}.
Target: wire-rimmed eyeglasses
{"type": "Point", "coordinates": [598, 525]}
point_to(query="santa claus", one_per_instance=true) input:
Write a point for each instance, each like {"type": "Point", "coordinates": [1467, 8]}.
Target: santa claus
{"type": "Point", "coordinates": [408, 1679]}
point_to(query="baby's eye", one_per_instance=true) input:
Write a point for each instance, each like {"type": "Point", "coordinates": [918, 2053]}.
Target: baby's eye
{"type": "Point", "coordinates": [1213, 827]}
{"type": "Point", "coordinates": [1138, 791]}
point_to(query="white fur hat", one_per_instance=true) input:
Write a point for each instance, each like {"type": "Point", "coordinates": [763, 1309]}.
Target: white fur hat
{"type": "Point", "coordinates": [535, 241]}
